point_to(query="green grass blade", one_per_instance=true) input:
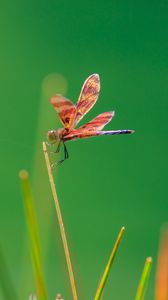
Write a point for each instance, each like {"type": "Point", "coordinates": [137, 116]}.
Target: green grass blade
{"type": "Point", "coordinates": [32, 297]}
{"type": "Point", "coordinates": [6, 283]}
{"type": "Point", "coordinates": [144, 279]}
{"type": "Point", "coordinates": [33, 235]}
{"type": "Point", "coordinates": [108, 266]}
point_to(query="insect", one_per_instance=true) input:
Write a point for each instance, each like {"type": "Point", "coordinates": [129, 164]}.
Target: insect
{"type": "Point", "coordinates": [70, 115]}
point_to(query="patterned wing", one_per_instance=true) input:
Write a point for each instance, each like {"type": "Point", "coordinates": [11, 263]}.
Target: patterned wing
{"type": "Point", "coordinates": [100, 121]}
{"type": "Point", "coordinates": [65, 109]}
{"type": "Point", "coordinates": [88, 96]}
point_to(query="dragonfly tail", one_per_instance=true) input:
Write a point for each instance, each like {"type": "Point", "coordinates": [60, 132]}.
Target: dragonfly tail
{"type": "Point", "coordinates": [111, 132]}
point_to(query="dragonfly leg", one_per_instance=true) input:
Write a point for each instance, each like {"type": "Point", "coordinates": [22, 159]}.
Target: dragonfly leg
{"type": "Point", "coordinates": [57, 149]}
{"type": "Point", "coordinates": [66, 152]}
{"type": "Point", "coordinates": [66, 155]}
{"type": "Point", "coordinates": [50, 144]}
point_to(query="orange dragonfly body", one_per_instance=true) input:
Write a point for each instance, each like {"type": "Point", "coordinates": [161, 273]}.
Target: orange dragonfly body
{"type": "Point", "coordinates": [70, 114]}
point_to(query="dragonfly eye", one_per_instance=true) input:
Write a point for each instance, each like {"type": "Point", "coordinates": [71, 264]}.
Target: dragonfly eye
{"type": "Point", "coordinates": [52, 135]}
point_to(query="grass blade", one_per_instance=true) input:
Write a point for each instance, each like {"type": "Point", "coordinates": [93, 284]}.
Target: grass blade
{"type": "Point", "coordinates": [144, 279]}
{"type": "Point", "coordinates": [6, 283]}
{"type": "Point", "coordinates": [61, 225]}
{"type": "Point", "coordinates": [108, 266]}
{"type": "Point", "coordinates": [33, 235]}
{"type": "Point", "coordinates": [161, 291]}
{"type": "Point", "coordinates": [32, 297]}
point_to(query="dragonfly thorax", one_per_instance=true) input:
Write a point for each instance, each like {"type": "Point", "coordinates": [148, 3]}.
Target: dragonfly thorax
{"type": "Point", "coordinates": [57, 135]}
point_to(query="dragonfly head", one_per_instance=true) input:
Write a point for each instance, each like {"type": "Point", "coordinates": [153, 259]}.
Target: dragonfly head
{"type": "Point", "coordinates": [53, 135]}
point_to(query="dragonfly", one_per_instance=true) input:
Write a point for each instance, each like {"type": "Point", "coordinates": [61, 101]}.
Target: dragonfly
{"type": "Point", "coordinates": [71, 114]}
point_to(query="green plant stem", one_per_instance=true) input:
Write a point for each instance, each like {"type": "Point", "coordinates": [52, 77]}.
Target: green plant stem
{"type": "Point", "coordinates": [7, 287]}
{"type": "Point", "coordinates": [33, 234]}
{"type": "Point", "coordinates": [144, 279]}
{"type": "Point", "coordinates": [108, 266]}
{"type": "Point", "coordinates": [61, 225]}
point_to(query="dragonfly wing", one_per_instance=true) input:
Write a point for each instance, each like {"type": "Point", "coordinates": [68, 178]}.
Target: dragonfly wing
{"type": "Point", "coordinates": [88, 96]}
{"type": "Point", "coordinates": [100, 121]}
{"type": "Point", "coordinates": [66, 110]}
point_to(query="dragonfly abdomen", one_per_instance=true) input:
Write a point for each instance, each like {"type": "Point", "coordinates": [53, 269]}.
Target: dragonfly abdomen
{"type": "Point", "coordinates": [111, 132]}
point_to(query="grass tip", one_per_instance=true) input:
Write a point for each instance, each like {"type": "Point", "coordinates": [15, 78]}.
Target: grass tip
{"type": "Point", "coordinates": [44, 146]}
{"type": "Point", "coordinates": [149, 260]}
{"type": "Point", "coordinates": [23, 174]}
{"type": "Point", "coordinates": [123, 228]}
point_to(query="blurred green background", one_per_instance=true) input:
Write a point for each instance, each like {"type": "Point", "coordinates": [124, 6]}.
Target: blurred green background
{"type": "Point", "coordinates": [51, 47]}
